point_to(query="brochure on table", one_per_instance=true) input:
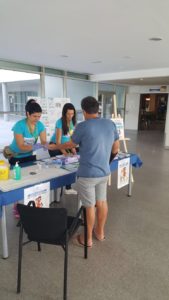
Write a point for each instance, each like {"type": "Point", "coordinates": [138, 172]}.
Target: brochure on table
{"type": "Point", "coordinates": [39, 193]}
{"type": "Point", "coordinates": [69, 163]}
{"type": "Point", "coordinates": [51, 111]}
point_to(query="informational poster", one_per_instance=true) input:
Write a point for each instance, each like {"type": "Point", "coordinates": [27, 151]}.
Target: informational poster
{"type": "Point", "coordinates": [120, 127]}
{"type": "Point", "coordinates": [39, 193]}
{"type": "Point", "coordinates": [51, 112]}
{"type": "Point", "coordinates": [123, 172]}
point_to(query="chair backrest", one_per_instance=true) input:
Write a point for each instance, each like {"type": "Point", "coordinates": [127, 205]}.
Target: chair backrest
{"type": "Point", "coordinates": [45, 225]}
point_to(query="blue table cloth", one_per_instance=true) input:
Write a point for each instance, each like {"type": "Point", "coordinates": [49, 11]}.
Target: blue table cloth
{"type": "Point", "coordinates": [18, 194]}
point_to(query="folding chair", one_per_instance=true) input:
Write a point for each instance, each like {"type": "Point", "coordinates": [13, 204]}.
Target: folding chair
{"type": "Point", "coordinates": [49, 226]}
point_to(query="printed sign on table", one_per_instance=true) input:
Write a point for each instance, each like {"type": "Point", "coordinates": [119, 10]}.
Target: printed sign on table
{"type": "Point", "coordinates": [120, 127]}
{"type": "Point", "coordinates": [39, 193]}
{"type": "Point", "coordinates": [123, 172]}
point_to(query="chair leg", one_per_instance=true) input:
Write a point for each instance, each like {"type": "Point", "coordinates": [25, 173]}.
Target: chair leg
{"type": "Point", "coordinates": [65, 271]}
{"type": "Point", "coordinates": [39, 247]}
{"type": "Point", "coordinates": [19, 260]}
{"type": "Point", "coordinates": [85, 233]}
{"type": "Point", "coordinates": [61, 192]}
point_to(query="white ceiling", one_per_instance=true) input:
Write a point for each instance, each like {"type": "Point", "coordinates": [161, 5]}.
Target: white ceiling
{"type": "Point", "coordinates": [115, 32]}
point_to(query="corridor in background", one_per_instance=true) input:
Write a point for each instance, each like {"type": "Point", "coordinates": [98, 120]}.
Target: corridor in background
{"type": "Point", "coordinates": [152, 114]}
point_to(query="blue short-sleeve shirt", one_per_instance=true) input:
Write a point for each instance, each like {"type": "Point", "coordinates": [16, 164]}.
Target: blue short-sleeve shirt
{"type": "Point", "coordinates": [22, 128]}
{"type": "Point", "coordinates": [95, 138]}
{"type": "Point", "coordinates": [65, 137]}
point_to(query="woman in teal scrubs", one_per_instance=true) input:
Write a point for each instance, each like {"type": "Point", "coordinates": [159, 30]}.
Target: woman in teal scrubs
{"type": "Point", "coordinates": [63, 131]}
{"type": "Point", "coordinates": [26, 133]}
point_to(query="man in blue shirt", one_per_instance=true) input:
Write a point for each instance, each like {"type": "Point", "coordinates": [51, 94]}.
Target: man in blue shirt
{"type": "Point", "coordinates": [97, 138]}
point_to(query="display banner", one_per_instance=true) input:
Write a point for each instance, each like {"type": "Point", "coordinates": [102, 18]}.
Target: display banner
{"type": "Point", "coordinates": [123, 172]}
{"type": "Point", "coordinates": [120, 127]}
{"type": "Point", "coordinates": [51, 112]}
{"type": "Point", "coordinates": [39, 193]}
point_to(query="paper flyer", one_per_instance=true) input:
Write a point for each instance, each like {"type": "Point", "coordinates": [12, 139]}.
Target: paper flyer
{"type": "Point", "coordinates": [39, 193]}
{"type": "Point", "coordinates": [123, 172]}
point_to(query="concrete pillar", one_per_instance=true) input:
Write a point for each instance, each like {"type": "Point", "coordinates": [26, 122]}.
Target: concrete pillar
{"type": "Point", "coordinates": [166, 140]}
{"type": "Point", "coordinates": [5, 101]}
{"type": "Point", "coordinates": [42, 82]}
{"type": "Point", "coordinates": [65, 85]}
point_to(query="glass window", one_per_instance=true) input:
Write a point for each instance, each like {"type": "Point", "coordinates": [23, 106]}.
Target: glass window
{"type": "Point", "coordinates": [15, 87]}
{"type": "Point", "coordinates": [53, 87]}
{"type": "Point", "coordinates": [106, 92]}
{"type": "Point", "coordinates": [77, 90]}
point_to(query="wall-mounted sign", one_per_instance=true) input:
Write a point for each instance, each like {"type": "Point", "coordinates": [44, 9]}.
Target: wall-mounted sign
{"type": "Point", "coordinates": [162, 89]}
{"type": "Point", "coordinates": [154, 89]}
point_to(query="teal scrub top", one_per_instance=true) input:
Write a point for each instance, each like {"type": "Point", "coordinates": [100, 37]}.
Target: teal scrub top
{"type": "Point", "coordinates": [21, 127]}
{"type": "Point", "coordinates": [64, 138]}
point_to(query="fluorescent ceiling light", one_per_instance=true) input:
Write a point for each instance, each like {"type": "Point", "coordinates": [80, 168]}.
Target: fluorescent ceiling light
{"type": "Point", "coordinates": [64, 56]}
{"type": "Point", "coordinates": [97, 62]}
{"type": "Point", "coordinates": [155, 39]}
{"type": "Point", "coordinates": [10, 76]}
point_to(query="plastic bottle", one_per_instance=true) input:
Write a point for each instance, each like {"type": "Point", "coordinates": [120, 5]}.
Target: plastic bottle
{"type": "Point", "coordinates": [4, 170]}
{"type": "Point", "coordinates": [17, 172]}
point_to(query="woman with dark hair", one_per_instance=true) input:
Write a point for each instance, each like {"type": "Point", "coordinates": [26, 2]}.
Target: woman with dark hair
{"type": "Point", "coordinates": [63, 131]}
{"type": "Point", "coordinates": [26, 133]}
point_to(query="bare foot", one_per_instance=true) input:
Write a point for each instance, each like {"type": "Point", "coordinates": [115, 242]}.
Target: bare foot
{"type": "Point", "coordinates": [79, 240]}
{"type": "Point", "coordinates": [98, 236]}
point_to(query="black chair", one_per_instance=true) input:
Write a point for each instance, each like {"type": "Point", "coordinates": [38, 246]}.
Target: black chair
{"type": "Point", "coordinates": [49, 226]}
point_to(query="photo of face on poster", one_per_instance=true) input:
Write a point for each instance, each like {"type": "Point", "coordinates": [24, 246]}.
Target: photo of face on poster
{"type": "Point", "coordinates": [38, 202]}
{"type": "Point", "coordinates": [39, 193]}
{"type": "Point", "coordinates": [123, 172]}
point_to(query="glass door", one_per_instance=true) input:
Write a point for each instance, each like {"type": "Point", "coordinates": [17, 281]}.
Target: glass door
{"type": "Point", "coordinates": [106, 104]}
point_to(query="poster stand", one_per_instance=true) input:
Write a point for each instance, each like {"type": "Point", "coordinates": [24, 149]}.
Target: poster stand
{"type": "Point", "coordinates": [118, 116]}
{"type": "Point", "coordinates": [118, 120]}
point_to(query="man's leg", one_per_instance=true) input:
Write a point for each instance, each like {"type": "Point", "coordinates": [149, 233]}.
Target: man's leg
{"type": "Point", "coordinates": [101, 207]}
{"type": "Point", "coordinates": [86, 192]}
{"type": "Point", "coordinates": [101, 217]}
{"type": "Point", "coordinates": [90, 216]}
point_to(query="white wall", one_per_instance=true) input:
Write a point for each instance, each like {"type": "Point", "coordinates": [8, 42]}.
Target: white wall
{"type": "Point", "coordinates": [132, 111]}
{"type": "Point", "coordinates": [1, 101]}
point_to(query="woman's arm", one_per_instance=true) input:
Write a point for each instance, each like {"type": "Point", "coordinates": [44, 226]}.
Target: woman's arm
{"type": "Point", "coordinates": [20, 142]}
{"type": "Point", "coordinates": [58, 139]}
{"type": "Point", "coordinates": [42, 136]}
{"type": "Point", "coordinates": [115, 147]}
{"type": "Point", "coordinates": [67, 145]}
{"type": "Point", "coordinates": [73, 151]}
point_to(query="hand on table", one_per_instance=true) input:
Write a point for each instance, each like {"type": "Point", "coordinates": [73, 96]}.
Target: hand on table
{"type": "Point", "coordinates": [37, 146]}
{"type": "Point", "coordinates": [73, 150]}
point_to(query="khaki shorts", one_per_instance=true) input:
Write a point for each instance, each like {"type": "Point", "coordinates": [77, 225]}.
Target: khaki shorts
{"type": "Point", "coordinates": [91, 190]}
